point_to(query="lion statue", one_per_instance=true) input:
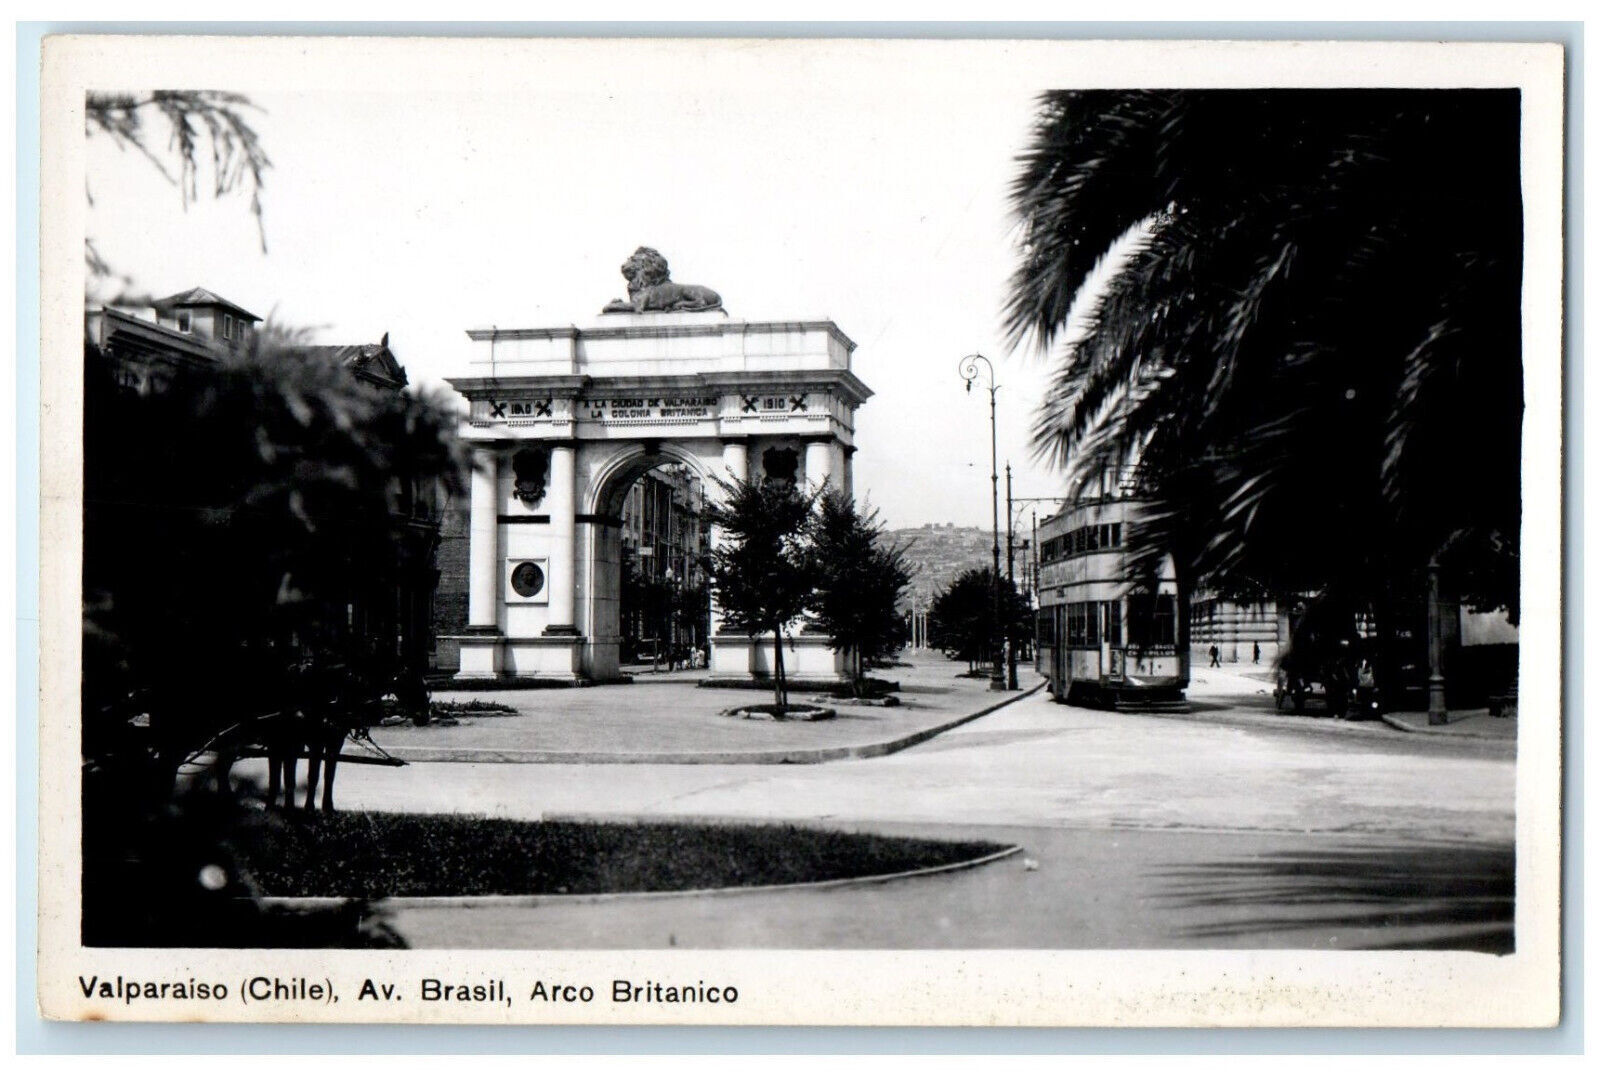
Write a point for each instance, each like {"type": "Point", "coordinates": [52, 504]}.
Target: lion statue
{"type": "Point", "coordinates": [650, 288]}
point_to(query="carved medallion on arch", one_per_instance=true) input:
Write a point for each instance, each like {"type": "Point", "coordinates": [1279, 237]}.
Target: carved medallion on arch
{"type": "Point", "coordinates": [780, 465]}
{"type": "Point", "coordinates": [530, 469]}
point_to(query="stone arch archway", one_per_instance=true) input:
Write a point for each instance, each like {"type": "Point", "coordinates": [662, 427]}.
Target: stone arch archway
{"type": "Point", "coordinates": [619, 465]}
{"type": "Point", "coordinates": [615, 471]}
{"type": "Point", "coordinates": [564, 420]}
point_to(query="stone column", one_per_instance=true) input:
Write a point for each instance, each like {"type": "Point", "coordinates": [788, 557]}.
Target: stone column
{"type": "Point", "coordinates": [561, 501]}
{"type": "Point", "coordinates": [483, 565]}
{"type": "Point", "coordinates": [736, 460]}
{"type": "Point", "coordinates": [726, 658]}
{"type": "Point", "coordinates": [820, 464]}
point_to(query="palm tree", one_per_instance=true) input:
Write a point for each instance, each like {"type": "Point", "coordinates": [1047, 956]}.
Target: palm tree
{"type": "Point", "coordinates": [1308, 335]}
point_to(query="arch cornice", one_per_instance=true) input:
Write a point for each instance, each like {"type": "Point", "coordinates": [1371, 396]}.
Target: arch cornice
{"type": "Point", "coordinates": [841, 383]}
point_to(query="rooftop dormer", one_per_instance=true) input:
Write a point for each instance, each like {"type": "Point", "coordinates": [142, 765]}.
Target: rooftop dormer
{"type": "Point", "coordinates": [208, 316]}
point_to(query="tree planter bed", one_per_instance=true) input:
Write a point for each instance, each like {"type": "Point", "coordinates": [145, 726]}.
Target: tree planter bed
{"type": "Point", "coordinates": [793, 712]}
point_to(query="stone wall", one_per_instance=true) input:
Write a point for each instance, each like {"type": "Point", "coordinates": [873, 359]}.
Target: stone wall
{"type": "Point", "coordinates": [450, 601]}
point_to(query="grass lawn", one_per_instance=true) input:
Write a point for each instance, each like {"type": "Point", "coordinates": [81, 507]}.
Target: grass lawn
{"type": "Point", "coordinates": [371, 854]}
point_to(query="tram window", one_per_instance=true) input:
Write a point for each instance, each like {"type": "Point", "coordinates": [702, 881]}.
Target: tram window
{"type": "Point", "coordinates": [1044, 625]}
{"type": "Point", "coordinates": [1116, 534]}
{"type": "Point", "coordinates": [1077, 624]}
{"type": "Point", "coordinates": [1091, 623]}
{"type": "Point", "coordinates": [1138, 620]}
{"type": "Point", "coordinates": [1166, 620]}
{"type": "Point", "coordinates": [1094, 539]}
{"type": "Point", "coordinates": [1142, 621]}
{"type": "Point", "coordinates": [1112, 611]}
{"type": "Point", "coordinates": [1152, 620]}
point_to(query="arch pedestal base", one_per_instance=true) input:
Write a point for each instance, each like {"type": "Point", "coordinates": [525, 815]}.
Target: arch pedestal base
{"type": "Point", "coordinates": [540, 657]}
{"type": "Point", "coordinates": [805, 657]}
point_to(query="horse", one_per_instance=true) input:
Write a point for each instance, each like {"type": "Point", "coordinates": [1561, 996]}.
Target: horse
{"type": "Point", "coordinates": [329, 704]}
{"type": "Point", "coordinates": [320, 738]}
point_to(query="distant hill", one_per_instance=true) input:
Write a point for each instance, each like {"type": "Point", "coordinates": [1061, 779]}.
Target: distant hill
{"type": "Point", "coordinates": [940, 552]}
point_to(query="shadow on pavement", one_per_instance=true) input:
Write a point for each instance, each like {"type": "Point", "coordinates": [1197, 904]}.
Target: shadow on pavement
{"type": "Point", "coordinates": [1454, 897]}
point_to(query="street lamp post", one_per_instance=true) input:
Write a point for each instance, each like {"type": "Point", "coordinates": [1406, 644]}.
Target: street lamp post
{"type": "Point", "coordinates": [1437, 713]}
{"type": "Point", "coordinates": [969, 371]}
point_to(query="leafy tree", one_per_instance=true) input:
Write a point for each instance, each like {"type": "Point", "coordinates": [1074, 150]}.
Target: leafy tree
{"type": "Point", "coordinates": [231, 523]}
{"type": "Point", "coordinates": [764, 569]}
{"type": "Point", "coordinates": [1310, 337]}
{"type": "Point", "coordinates": [961, 619]}
{"type": "Point", "coordinates": [860, 579]}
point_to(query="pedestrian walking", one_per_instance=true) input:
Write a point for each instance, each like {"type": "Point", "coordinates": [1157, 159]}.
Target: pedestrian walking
{"type": "Point", "coordinates": [1215, 654]}
{"type": "Point", "coordinates": [1255, 657]}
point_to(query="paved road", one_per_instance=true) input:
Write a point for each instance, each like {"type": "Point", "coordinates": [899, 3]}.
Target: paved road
{"type": "Point", "coordinates": [1143, 831]}
{"type": "Point", "coordinates": [665, 718]}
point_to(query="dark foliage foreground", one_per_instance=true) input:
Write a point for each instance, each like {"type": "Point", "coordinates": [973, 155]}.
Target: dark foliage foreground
{"type": "Point", "coordinates": [1313, 347]}
{"type": "Point", "coordinates": [362, 854]}
{"type": "Point", "coordinates": [176, 873]}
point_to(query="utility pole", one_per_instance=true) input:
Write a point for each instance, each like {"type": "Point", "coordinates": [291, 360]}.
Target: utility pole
{"type": "Point", "coordinates": [1011, 590]}
{"type": "Point", "coordinates": [1035, 548]}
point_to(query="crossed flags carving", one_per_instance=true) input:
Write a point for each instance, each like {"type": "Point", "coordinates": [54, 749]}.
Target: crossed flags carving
{"type": "Point", "coordinates": [537, 408]}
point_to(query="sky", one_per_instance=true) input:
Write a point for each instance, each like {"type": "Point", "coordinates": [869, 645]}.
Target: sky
{"type": "Point", "coordinates": [862, 185]}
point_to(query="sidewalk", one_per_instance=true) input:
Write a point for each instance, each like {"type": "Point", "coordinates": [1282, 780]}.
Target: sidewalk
{"type": "Point", "coordinates": [1477, 724]}
{"type": "Point", "coordinates": [665, 718]}
{"type": "Point", "coordinates": [1247, 689]}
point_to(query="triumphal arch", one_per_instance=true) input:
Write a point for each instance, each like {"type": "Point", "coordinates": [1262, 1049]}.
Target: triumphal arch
{"type": "Point", "coordinates": [565, 419]}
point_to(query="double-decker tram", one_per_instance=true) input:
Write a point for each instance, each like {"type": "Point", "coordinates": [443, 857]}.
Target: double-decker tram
{"type": "Point", "coordinates": [1103, 638]}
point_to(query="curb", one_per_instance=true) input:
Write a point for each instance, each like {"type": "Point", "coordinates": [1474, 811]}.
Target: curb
{"type": "Point", "coordinates": [1442, 730]}
{"type": "Point", "coordinates": [536, 900]}
{"type": "Point", "coordinates": [804, 756]}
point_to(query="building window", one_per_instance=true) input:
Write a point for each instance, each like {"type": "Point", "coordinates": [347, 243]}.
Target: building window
{"type": "Point", "coordinates": [227, 327]}
{"type": "Point", "coordinates": [184, 324]}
